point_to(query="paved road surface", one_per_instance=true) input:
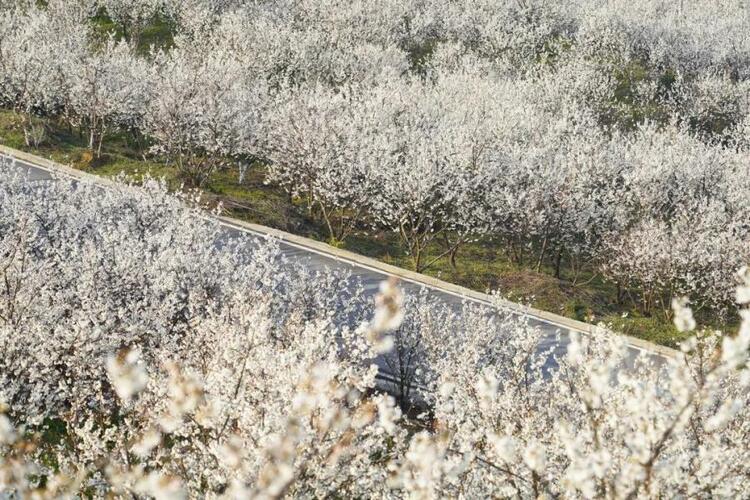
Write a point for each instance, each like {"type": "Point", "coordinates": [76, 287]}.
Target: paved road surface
{"type": "Point", "coordinates": [371, 278]}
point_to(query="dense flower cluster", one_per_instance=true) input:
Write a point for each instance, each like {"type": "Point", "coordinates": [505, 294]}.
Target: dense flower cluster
{"type": "Point", "coordinates": [145, 353]}
{"type": "Point", "coordinates": [569, 131]}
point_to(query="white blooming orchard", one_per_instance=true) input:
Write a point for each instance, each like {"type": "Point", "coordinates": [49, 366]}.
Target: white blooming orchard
{"type": "Point", "coordinates": [198, 116]}
{"type": "Point", "coordinates": [110, 89]}
{"type": "Point", "coordinates": [323, 149]}
{"type": "Point", "coordinates": [142, 353]}
{"type": "Point", "coordinates": [109, 290]}
{"type": "Point", "coordinates": [568, 131]}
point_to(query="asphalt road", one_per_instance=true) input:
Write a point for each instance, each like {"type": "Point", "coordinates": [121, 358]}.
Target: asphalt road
{"type": "Point", "coordinates": [555, 336]}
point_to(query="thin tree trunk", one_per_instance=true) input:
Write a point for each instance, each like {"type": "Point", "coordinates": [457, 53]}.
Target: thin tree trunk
{"type": "Point", "coordinates": [417, 257]}
{"type": "Point", "coordinates": [452, 258]}
{"type": "Point", "coordinates": [327, 219]}
{"type": "Point", "coordinates": [541, 254]}
{"type": "Point", "coordinates": [91, 139]}
{"type": "Point", "coordinates": [101, 142]}
{"type": "Point", "coordinates": [558, 262]}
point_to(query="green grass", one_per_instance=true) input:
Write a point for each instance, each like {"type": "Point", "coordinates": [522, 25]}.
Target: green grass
{"type": "Point", "coordinates": [256, 202]}
{"type": "Point", "coordinates": [482, 266]}
{"type": "Point", "coordinates": [654, 329]}
{"type": "Point", "coordinates": [156, 34]}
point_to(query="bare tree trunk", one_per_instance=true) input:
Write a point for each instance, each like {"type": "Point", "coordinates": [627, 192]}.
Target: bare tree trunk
{"type": "Point", "coordinates": [331, 233]}
{"type": "Point", "coordinates": [91, 139]}
{"type": "Point", "coordinates": [452, 258]}
{"type": "Point", "coordinates": [541, 254]}
{"type": "Point", "coordinates": [101, 142]}
{"type": "Point", "coordinates": [558, 263]}
{"type": "Point", "coordinates": [417, 256]}
{"type": "Point", "coordinates": [452, 251]}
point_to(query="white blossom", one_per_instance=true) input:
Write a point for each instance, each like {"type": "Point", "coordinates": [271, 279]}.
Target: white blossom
{"type": "Point", "coordinates": [128, 375]}
{"type": "Point", "coordinates": [683, 315]}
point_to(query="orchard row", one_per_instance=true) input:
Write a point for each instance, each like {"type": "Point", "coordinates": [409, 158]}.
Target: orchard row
{"type": "Point", "coordinates": [590, 137]}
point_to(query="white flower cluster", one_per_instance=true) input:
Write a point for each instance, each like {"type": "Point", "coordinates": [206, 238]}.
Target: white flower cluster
{"type": "Point", "coordinates": [143, 356]}
{"type": "Point", "coordinates": [570, 132]}
{"type": "Point", "coordinates": [132, 333]}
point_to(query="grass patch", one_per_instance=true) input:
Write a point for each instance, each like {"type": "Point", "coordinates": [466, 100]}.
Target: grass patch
{"type": "Point", "coordinates": [157, 33]}
{"type": "Point", "coordinates": [653, 329]}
